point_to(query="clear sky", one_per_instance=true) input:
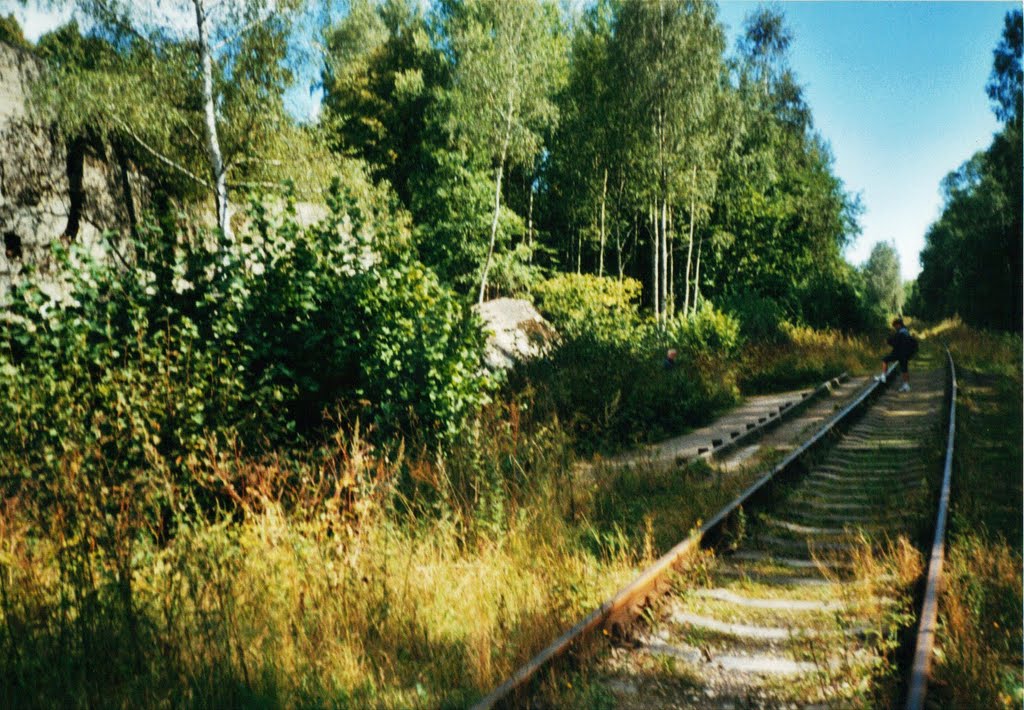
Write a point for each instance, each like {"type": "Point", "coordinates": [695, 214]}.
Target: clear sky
{"type": "Point", "coordinates": [897, 88]}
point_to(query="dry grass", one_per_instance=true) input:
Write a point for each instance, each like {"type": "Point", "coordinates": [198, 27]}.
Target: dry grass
{"type": "Point", "coordinates": [978, 651]}
{"type": "Point", "coordinates": [806, 356]}
{"type": "Point", "coordinates": [280, 611]}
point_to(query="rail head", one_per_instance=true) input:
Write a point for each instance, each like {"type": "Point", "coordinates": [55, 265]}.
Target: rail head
{"type": "Point", "coordinates": [925, 641]}
{"type": "Point", "coordinates": [641, 587]}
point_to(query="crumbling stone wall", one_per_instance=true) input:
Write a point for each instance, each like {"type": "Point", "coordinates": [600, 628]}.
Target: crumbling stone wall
{"type": "Point", "coordinates": [51, 188]}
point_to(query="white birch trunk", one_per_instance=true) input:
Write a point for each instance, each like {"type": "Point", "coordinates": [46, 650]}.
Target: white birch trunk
{"type": "Point", "coordinates": [689, 248]}
{"type": "Point", "coordinates": [696, 278]}
{"type": "Point", "coordinates": [529, 228]}
{"type": "Point", "coordinates": [671, 267]}
{"type": "Point", "coordinates": [654, 243]}
{"type": "Point", "coordinates": [604, 197]}
{"type": "Point", "coordinates": [499, 173]}
{"type": "Point", "coordinates": [210, 122]}
{"type": "Point", "coordinates": [664, 258]}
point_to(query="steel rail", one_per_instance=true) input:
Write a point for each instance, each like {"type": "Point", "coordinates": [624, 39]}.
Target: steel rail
{"type": "Point", "coordinates": [642, 587]}
{"type": "Point", "coordinates": [930, 606]}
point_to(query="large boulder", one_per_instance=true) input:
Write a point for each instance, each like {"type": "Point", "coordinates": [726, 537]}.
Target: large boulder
{"type": "Point", "coordinates": [515, 332]}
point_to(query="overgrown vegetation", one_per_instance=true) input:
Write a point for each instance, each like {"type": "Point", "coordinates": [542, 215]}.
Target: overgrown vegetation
{"type": "Point", "coordinates": [971, 262]}
{"type": "Point", "coordinates": [979, 644]}
{"type": "Point", "coordinates": [262, 463]}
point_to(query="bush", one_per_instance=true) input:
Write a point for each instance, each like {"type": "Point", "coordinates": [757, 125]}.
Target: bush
{"type": "Point", "coordinates": [614, 393]}
{"type": "Point", "coordinates": [254, 341]}
{"type": "Point", "coordinates": [583, 303]}
{"type": "Point", "coordinates": [760, 317]}
{"type": "Point", "coordinates": [707, 331]}
{"type": "Point", "coordinates": [837, 300]}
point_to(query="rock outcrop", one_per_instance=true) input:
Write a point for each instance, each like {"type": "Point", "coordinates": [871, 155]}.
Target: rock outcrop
{"type": "Point", "coordinates": [52, 188]}
{"type": "Point", "coordinates": [515, 332]}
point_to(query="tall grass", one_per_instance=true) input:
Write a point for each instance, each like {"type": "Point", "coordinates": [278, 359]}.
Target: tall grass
{"type": "Point", "coordinates": [373, 590]}
{"type": "Point", "coordinates": [805, 356]}
{"type": "Point", "coordinates": [979, 658]}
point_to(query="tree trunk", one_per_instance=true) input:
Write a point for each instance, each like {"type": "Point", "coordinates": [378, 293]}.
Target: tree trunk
{"type": "Point", "coordinates": [604, 197]}
{"type": "Point", "coordinates": [210, 123]}
{"type": "Point", "coordinates": [494, 226]}
{"type": "Point", "coordinates": [498, 174]}
{"type": "Point", "coordinates": [529, 227]}
{"type": "Point", "coordinates": [664, 258]}
{"type": "Point", "coordinates": [696, 278]}
{"type": "Point", "coordinates": [689, 247]}
{"type": "Point", "coordinates": [654, 243]}
{"type": "Point", "coordinates": [671, 268]}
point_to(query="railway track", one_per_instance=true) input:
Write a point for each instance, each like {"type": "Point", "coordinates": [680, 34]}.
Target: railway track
{"type": "Point", "coordinates": [804, 594]}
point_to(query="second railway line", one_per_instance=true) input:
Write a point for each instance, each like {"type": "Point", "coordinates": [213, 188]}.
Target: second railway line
{"type": "Point", "coordinates": [805, 599]}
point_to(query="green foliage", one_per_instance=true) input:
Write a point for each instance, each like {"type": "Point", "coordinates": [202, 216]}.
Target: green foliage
{"type": "Point", "coordinates": [132, 80]}
{"type": "Point", "coordinates": [760, 318]}
{"type": "Point", "coordinates": [577, 304]}
{"type": "Point", "coordinates": [971, 262]}
{"type": "Point", "coordinates": [616, 393]}
{"type": "Point", "coordinates": [1005, 82]}
{"type": "Point", "coordinates": [835, 299]}
{"type": "Point", "coordinates": [10, 32]}
{"type": "Point", "coordinates": [259, 338]}
{"type": "Point", "coordinates": [802, 357]}
{"type": "Point", "coordinates": [707, 331]}
{"type": "Point", "coordinates": [380, 79]}
{"type": "Point", "coordinates": [451, 204]}
{"type": "Point", "coordinates": [882, 281]}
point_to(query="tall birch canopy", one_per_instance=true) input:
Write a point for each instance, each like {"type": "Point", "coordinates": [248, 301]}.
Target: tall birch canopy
{"type": "Point", "coordinates": [508, 60]}
{"type": "Point", "coordinates": [668, 58]}
{"type": "Point", "coordinates": [194, 86]}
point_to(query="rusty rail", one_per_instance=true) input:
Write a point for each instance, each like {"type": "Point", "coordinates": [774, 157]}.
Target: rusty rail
{"type": "Point", "coordinates": [930, 605]}
{"type": "Point", "coordinates": [630, 599]}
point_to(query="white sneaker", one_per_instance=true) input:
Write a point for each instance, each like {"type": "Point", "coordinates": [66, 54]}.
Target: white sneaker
{"type": "Point", "coordinates": [904, 387]}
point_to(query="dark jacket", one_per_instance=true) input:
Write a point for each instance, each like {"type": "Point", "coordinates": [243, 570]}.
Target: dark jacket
{"type": "Point", "coordinates": [902, 346]}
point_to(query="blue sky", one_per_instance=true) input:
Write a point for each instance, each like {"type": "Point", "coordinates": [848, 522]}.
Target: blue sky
{"type": "Point", "coordinates": [897, 88]}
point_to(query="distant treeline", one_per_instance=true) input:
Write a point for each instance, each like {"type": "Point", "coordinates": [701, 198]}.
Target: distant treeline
{"type": "Point", "coordinates": [624, 139]}
{"type": "Point", "coordinates": [971, 263]}
{"type": "Point", "coordinates": [524, 140]}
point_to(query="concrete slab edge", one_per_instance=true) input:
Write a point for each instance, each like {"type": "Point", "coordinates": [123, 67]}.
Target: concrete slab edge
{"type": "Point", "coordinates": [766, 424]}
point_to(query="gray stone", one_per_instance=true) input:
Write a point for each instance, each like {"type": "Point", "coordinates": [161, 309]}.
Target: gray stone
{"type": "Point", "coordinates": [515, 332]}
{"type": "Point", "coordinates": [51, 190]}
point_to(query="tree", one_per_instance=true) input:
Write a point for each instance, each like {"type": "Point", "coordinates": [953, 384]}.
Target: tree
{"type": "Point", "coordinates": [781, 213]}
{"type": "Point", "coordinates": [10, 32]}
{"type": "Point", "coordinates": [1004, 84]}
{"type": "Point", "coordinates": [668, 53]}
{"type": "Point", "coordinates": [178, 81]}
{"type": "Point", "coordinates": [380, 78]}
{"type": "Point", "coordinates": [508, 61]}
{"type": "Point", "coordinates": [882, 278]}
{"type": "Point", "coordinates": [971, 263]}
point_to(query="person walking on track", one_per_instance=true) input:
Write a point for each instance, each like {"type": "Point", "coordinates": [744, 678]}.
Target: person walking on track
{"type": "Point", "coordinates": [904, 347]}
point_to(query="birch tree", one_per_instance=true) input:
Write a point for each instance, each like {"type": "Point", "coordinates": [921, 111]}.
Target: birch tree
{"type": "Point", "coordinates": [508, 61]}
{"type": "Point", "coordinates": [672, 52]}
{"type": "Point", "coordinates": [187, 78]}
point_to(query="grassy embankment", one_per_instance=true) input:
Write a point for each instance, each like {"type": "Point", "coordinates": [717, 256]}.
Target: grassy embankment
{"type": "Point", "coordinates": [978, 657]}
{"type": "Point", "coordinates": [384, 580]}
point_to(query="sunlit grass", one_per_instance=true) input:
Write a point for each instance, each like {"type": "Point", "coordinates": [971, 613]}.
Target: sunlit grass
{"type": "Point", "coordinates": [978, 649]}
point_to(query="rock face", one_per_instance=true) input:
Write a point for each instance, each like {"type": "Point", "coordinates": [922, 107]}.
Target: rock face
{"type": "Point", "coordinates": [51, 188]}
{"type": "Point", "coordinates": [515, 332]}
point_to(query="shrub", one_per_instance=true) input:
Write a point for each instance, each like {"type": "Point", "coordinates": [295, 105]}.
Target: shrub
{"type": "Point", "coordinates": [760, 317]}
{"type": "Point", "coordinates": [616, 392]}
{"type": "Point", "coordinates": [256, 338]}
{"type": "Point", "coordinates": [707, 331]}
{"type": "Point", "coordinates": [583, 303]}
